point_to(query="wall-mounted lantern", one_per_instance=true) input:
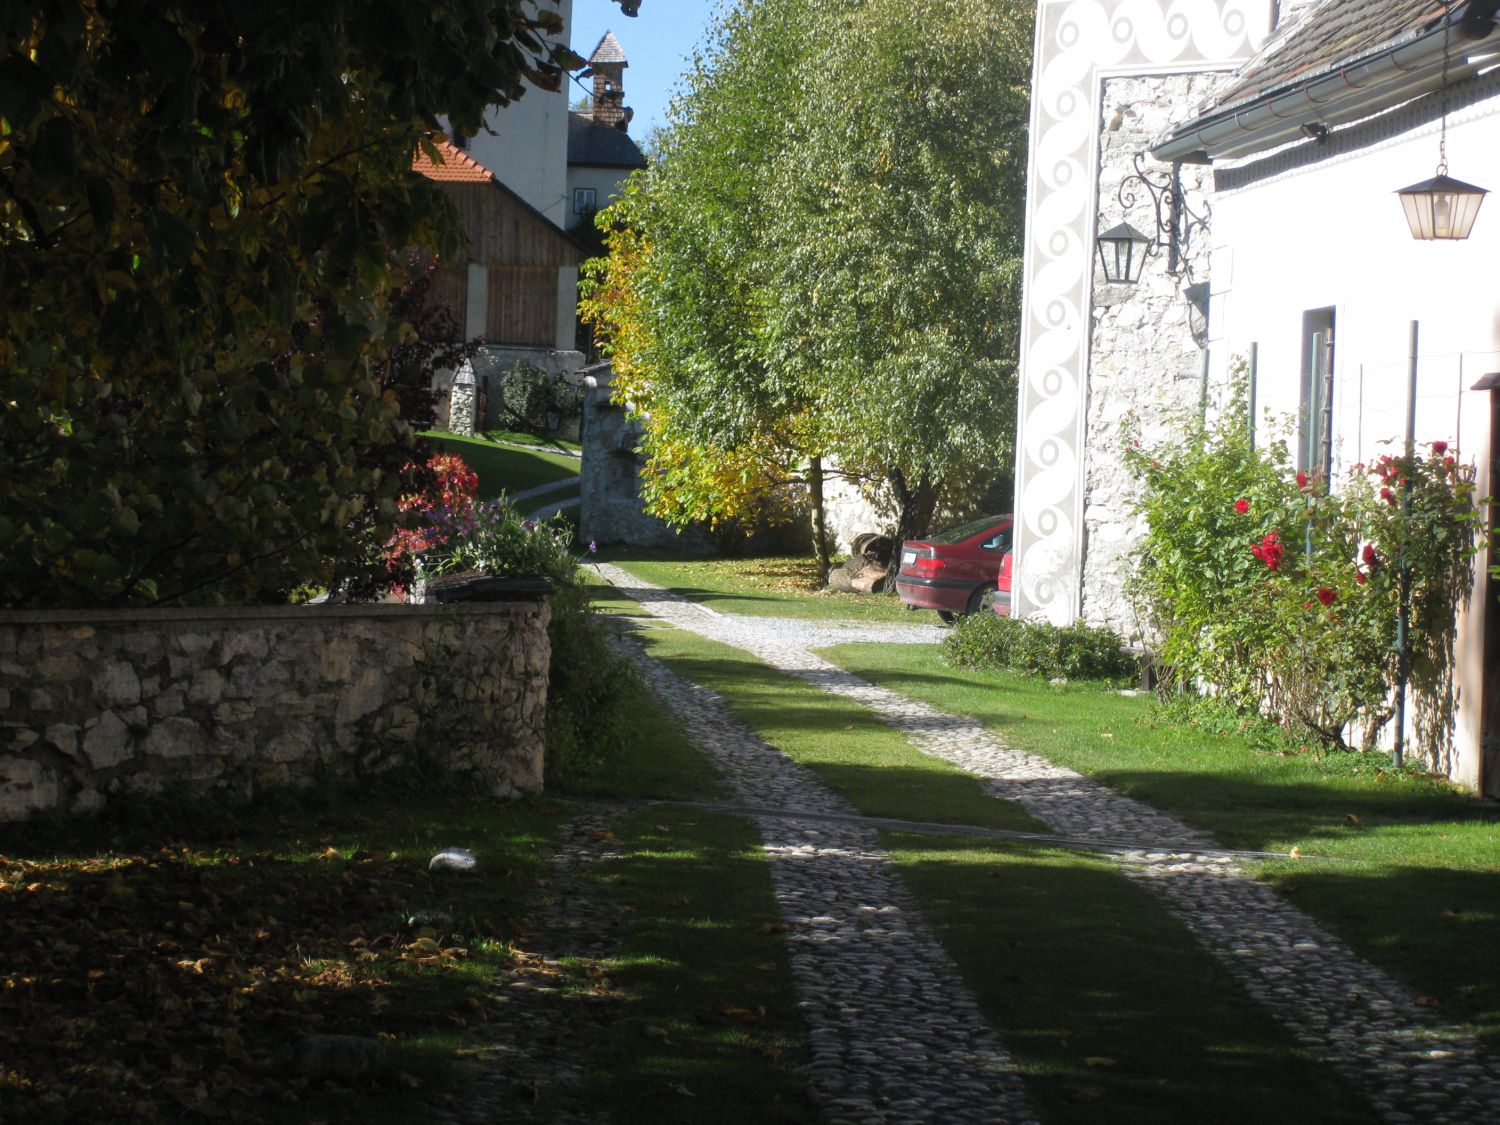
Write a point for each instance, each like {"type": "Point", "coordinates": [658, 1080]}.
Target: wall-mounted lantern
{"type": "Point", "coordinates": [1123, 249]}
{"type": "Point", "coordinates": [1122, 253]}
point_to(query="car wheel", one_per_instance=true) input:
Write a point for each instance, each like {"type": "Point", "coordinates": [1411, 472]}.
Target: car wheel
{"type": "Point", "coordinates": [948, 616]}
{"type": "Point", "coordinates": [980, 599]}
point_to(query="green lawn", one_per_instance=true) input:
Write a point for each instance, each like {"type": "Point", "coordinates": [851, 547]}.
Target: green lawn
{"type": "Point", "coordinates": [1411, 876]}
{"type": "Point", "coordinates": [1108, 1005]}
{"type": "Point", "coordinates": [503, 468]}
{"type": "Point", "coordinates": [520, 437]}
{"type": "Point", "coordinates": [777, 586]}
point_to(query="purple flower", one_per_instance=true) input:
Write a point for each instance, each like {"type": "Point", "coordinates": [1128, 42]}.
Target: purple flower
{"type": "Point", "coordinates": [593, 547]}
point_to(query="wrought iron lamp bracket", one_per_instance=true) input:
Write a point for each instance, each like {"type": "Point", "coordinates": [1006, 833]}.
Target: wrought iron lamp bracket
{"type": "Point", "coordinates": [1176, 222]}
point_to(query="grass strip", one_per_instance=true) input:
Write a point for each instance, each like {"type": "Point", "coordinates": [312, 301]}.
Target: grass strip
{"type": "Point", "coordinates": [1098, 992]}
{"type": "Point", "coordinates": [1417, 890]}
{"type": "Point", "coordinates": [776, 586]}
{"type": "Point", "coordinates": [504, 468]}
{"type": "Point", "coordinates": [1112, 1011]}
{"type": "Point", "coordinates": [710, 1032]}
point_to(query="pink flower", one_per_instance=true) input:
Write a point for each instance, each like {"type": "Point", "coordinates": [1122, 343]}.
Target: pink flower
{"type": "Point", "coordinates": [1242, 506]}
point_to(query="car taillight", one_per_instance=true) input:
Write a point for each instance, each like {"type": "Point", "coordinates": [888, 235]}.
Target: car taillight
{"type": "Point", "coordinates": [928, 567]}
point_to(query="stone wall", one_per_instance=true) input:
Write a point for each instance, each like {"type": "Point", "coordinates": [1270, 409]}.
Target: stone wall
{"type": "Point", "coordinates": [611, 510]}
{"type": "Point", "coordinates": [1144, 360]}
{"type": "Point", "coordinates": [100, 707]}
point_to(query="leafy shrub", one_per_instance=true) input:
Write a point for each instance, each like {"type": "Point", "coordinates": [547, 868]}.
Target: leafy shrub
{"type": "Point", "coordinates": [530, 394]}
{"type": "Point", "coordinates": [590, 690]}
{"type": "Point", "coordinates": [1281, 598]}
{"type": "Point", "coordinates": [1074, 652]}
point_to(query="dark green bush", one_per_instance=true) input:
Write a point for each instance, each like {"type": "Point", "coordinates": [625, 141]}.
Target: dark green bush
{"type": "Point", "coordinates": [1074, 652]}
{"type": "Point", "coordinates": [591, 690]}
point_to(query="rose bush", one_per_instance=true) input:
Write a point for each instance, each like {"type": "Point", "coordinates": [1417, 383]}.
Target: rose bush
{"type": "Point", "coordinates": [1258, 585]}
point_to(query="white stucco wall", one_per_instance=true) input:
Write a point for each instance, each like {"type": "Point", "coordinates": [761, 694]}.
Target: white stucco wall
{"type": "Point", "coordinates": [527, 142]}
{"type": "Point", "coordinates": [1080, 45]}
{"type": "Point", "coordinates": [605, 182]}
{"type": "Point", "coordinates": [1332, 234]}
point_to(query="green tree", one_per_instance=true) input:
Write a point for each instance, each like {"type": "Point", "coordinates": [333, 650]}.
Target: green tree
{"type": "Point", "coordinates": [898, 240]}
{"type": "Point", "coordinates": [831, 238]}
{"type": "Point", "coordinates": [203, 212]}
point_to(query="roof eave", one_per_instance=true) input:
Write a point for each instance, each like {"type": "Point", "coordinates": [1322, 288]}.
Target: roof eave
{"type": "Point", "coordinates": [1349, 92]}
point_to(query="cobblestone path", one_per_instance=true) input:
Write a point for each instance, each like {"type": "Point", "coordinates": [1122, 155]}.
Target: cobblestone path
{"type": "Point", "coordinates": [1340, 1007]}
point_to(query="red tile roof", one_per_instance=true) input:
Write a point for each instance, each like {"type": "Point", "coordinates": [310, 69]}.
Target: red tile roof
{"type": "Point", "coordinates": [457, 166]}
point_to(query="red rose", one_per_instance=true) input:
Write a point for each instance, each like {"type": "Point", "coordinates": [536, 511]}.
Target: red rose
{"type": "Point", "coordinates": [1360, 578]}
{"type": "Point", "coordinates": [1242, 506]}
{"type": "Point", "coordinates": [1367, 556]}
{"type": "Point", "coordinates": [1388, 496]}
{"type": "Point", "coordinates": [1301, 480]}
{"type": "Point", "coordinates": [1326, 595]}
{"type": "Point", "coordinates": [1269, 550]}
{"type": "Point", "coordinates": [1439, 448]}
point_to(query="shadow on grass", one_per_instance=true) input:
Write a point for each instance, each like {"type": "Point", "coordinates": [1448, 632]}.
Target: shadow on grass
{"type": "Point", "coordinates": [1243, 812]}
{"type": "Point", "coordinates": [203, 963]}
{"type": "Point", "coordinates": [1110, 1009]}
{"type": "Point", "coordinates": [710, 1032]}
{"type": "Point", "coordinates": [1433, 929]}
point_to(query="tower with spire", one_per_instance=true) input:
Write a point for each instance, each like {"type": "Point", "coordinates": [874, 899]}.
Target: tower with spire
{"type": "Point", "coordinates": [608, 63]}
{"type": "Point", "coordinates": [601, 152]}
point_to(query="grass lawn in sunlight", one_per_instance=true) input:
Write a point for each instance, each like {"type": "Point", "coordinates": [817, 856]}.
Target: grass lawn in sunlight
{"type": "Point", "coordinates": [1401, 865]}
{"type": "Point", "coordinates": [777, 586]}
{"type": "Point", "coordinates": [504, 468]}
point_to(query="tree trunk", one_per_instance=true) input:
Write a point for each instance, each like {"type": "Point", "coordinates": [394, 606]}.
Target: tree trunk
{"type": "Point", "coordinates": [820, 523]}
{"type": "Point", "coordinates": [915, 518]}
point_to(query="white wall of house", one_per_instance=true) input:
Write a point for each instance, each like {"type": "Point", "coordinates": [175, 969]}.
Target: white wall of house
{"type": "Point", "coordinates": [1330, 234]}
{"type": "Point", "coordinates": [526, 144]}
{"type": "Point", "coordinates": [604, 182]}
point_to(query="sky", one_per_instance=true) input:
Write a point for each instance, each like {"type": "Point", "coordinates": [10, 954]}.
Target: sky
{"type": "Point", "coordinates": [657, 42]}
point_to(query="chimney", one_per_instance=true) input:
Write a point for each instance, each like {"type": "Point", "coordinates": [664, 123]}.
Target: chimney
{"type": "Point", "coordinates": [608, 63]}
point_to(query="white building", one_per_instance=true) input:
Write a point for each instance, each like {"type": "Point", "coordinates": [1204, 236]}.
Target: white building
{"type": "Point", "coordinates": [1290, 131]}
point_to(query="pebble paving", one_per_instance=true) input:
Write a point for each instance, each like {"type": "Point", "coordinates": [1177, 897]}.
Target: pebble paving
{"type": "Point", "coordinates": [1410, 1065]}
{"type": "Point", "coordinates": [894, 1035]}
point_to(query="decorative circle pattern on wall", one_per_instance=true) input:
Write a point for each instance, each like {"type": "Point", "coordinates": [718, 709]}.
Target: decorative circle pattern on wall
{"type": "Point", "coordinates": [1079, 43]}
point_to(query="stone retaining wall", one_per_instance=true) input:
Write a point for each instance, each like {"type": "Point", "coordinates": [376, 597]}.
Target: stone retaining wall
{"type": "Point", "coordinates": [99, 707]}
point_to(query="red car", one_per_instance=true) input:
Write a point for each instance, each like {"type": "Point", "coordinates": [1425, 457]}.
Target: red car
{"type": "Point", "coordinates": [958, 571]}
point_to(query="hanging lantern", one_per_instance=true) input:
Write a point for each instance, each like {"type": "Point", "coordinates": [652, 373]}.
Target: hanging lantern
{"type": "Point", "coordinates": [1441, 207]}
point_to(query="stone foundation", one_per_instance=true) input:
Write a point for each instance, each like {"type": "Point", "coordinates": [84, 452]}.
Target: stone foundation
{"type": "Point", "coordinates": [101, 707]}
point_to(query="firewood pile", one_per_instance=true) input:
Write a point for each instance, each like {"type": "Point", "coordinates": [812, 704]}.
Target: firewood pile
{"type": "Point", "coordinates": [865, 570]}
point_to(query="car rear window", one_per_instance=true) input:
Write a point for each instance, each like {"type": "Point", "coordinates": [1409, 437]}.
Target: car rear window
{"type": "Point", "coordinates": [965, 531]}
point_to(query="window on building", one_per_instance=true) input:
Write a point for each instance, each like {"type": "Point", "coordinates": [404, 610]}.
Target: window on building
{"type": "Point", "coordinates": [583, 200]}
{"type": "Point", "coordinates": [1315, 415]}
